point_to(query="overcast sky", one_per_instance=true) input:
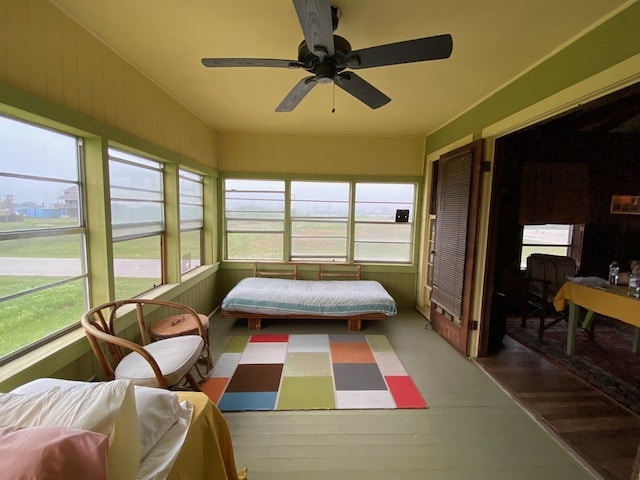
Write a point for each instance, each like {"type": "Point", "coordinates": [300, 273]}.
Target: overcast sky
{"type": "Point", "coordinates": [30, 150]}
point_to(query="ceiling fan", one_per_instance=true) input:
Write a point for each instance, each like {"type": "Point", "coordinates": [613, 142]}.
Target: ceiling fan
{"type": "Point", "coordinates": [327, 56]}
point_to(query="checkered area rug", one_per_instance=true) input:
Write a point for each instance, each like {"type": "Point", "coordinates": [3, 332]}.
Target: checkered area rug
{"type": "Point", "coordinates": [310, 372]}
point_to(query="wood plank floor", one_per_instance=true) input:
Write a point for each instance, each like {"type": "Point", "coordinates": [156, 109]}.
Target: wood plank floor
{"type": "Point", "coordinates": [472, 430]}
{"type": "Point", "coordinates": [603, 433]}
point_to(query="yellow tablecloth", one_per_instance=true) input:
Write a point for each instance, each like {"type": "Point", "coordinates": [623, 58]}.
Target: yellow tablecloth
{"type": "Point", "coordinates": [612, 302]}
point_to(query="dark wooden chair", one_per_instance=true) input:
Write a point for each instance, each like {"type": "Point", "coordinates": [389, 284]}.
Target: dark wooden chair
{"type": "Point", "coordinates": [544, 276]}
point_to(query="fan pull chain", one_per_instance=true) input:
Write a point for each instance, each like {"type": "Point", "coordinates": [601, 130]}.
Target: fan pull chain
{"type": "Point", "coordinates": [333, 104]}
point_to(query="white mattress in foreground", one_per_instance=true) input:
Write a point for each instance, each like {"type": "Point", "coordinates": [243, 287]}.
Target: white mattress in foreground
{"type": "Point", "coordinates": [331, 298]}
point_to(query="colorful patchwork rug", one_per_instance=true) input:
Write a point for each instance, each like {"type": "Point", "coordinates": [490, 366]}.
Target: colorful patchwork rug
{"type": "Point", "coordinates": [310, 372]}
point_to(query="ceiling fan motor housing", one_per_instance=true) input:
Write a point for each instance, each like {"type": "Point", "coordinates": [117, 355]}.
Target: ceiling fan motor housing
{"type": "Point", "coordinates": [311, 61]}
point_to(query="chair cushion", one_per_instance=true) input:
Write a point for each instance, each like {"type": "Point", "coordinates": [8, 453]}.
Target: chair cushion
{"type": "Point", "coordinates": [175, 357]}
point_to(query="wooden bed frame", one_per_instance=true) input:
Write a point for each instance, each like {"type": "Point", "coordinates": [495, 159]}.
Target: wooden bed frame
{"type": "Point", "coordinates": [327, 271]}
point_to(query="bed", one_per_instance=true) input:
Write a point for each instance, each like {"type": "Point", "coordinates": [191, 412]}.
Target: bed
{"type": "Point", "coordinates": [336, 292]}
{"type": "Point", "coordinates": [179, 435]}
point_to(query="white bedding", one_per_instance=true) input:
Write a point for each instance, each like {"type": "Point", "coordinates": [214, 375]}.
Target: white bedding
{"type": "Point", "coordinates": [162, 421]}
{"type": "Point", "coordinates": [331, 298]}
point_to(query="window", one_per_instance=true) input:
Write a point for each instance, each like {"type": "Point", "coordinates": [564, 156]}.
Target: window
{"type": "Point", "coordinates": [43, 275]}
{"type": "Point", "coordinates": [137, 218]}
{"type": "Point", "coordinates": [549, 239]}
{"type": "Point", "coordinates": [319, 221]}
{"type": "Point", "coordinates": [254, 219]}
{"type": "Point", "coordinates": [191, 220]}
{"type": "Point", "coordinates": [378, 237]}
{"type": "Point", "coordinates": [326, 221]}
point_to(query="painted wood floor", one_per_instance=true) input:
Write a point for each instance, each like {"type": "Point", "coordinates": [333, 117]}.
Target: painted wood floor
{"type": "Point", "coordinates": [603, 433]}
{"type": "Point", "coordinates": [472, 430]}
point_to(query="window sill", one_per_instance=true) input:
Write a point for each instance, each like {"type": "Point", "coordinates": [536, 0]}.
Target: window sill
{"type": "Point", "coordinates": [70, 347]}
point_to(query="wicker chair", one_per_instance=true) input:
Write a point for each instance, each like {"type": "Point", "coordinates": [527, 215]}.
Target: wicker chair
{"type": "Point", "coordinates": [165, 363]}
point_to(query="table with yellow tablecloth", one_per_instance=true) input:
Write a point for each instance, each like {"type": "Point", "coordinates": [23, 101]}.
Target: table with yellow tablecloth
{"type": "Point", "coordinates": [612, 302]}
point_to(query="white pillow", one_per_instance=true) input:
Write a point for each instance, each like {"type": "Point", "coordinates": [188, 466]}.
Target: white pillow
{"type": "Point", "coordinates": [157, 409]}
{"type": "Point", "coordinates": [107, 408]}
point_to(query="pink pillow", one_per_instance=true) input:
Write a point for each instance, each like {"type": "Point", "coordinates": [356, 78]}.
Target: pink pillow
{"type": "Point", "coordinates": [52, 453]}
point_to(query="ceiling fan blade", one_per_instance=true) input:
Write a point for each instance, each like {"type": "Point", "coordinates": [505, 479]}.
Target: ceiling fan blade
{"type": "Point", "coordinates": [250, 62]}
{"type": "Point", "coordinates": [419, 50]}
{"type": "Point", "coordinates": [361, 89]}
{"type": "Point", "coordinates": [296, 94]}
{"type": "Point", "coordinates": [315, 19]}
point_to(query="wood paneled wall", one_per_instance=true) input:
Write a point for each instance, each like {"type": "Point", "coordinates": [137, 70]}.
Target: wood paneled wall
{"type": "Point", "coordinates": [45, 53]}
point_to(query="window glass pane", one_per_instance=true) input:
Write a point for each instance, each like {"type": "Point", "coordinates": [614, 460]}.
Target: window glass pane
{"type": "Point", "coordinates": [249, 185]}
{"type": "Point", "coordinates": [257, 208]}
{"type": "Point", "coordinates": [255, 246]}
{"type": "Point", "coordinates": [387, 192]}
{"type": "Point", "coordinates": [383, 233]}
{"type": "Point", "coordinates": [37, 204]}
{"type": "Point", "coordinates": [379, 252]}
{"type": "Point", "coordinates": [381, 212]}
{"type": "Point", "coordinates": [136, 195]}
{"type": "Point", "coordinates": [255, 225]}
{"type": "Point", "coordinates": [137, 266]}
{"type": "Point", "coordinates": [378, 237]}
{"type": "Point", "coordinates": [270, 210]}
{"type": "Point", "coordinates": [191, 216]}
{"type": "Point", "coordinates": [36, 151]}
{"type": "Point", "coordinates": [320, 191]}
{"type": "Point", "coordinates": [132, 214]}
{"type": "Point", "coordinates": [549, 239]}
{"type": "Point", "coordinates": [190, 250]}
{"type": "Point", "coordinates": [190, 189]}
{"type": "Point", "coordinates": [40, 292]}
{"type": "Point", "coordinates": [319, 229]}
{"type": "Point", "coordinates": [32, 317]}
{"type": "Point", "coordinates": [547, 234]}
{"type": "Point", "coordinates": [313, 235]}
{"type": "Point", "coordinates": [40, 257]}
{"type": "Point", "coordinates": [326, 249]}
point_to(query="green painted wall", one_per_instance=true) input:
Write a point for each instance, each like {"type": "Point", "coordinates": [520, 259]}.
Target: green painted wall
{"type": "Point", "coordinates": [608, 44]}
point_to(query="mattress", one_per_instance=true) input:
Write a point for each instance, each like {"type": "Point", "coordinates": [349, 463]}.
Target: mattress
{"type": "Point", "coordinates": [327, 298]}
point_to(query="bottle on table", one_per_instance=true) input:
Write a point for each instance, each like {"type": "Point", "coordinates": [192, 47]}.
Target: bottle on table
{"type": "Point", "coordinates": [614, 273]}
{"type": "Point", "coordinates": [634, 282]}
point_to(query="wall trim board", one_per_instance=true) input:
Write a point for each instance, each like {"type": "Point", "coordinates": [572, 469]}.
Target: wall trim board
{"type": "Point", "coordinates": [31, 108]}
{"type": "Point", "coordinates": [605, 46]}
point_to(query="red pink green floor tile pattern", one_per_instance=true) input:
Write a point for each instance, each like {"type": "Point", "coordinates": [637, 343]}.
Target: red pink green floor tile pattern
{"type": "Point", "coordinates": [311, 372]}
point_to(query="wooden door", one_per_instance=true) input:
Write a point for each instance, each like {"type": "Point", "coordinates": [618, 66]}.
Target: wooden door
{"type": "Point", "coordinates": [457, 205]}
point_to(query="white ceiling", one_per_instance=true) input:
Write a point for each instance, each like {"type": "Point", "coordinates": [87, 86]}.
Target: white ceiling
{"type": "Point", "coordinates": [494, 41]}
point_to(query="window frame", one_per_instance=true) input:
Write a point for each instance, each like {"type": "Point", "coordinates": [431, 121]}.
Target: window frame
{"type": "Point", "coordinates": [79, 230]}
{"type": "Point", "coordinates": [410, 222]}
{"type": "Point", "coordinates": [573, 247]}
{"type": "Point", "coordinates": [143, 162]}
{"type": "Point", "coordinates": [196, 178]}
{"type": "Point", "coordinates": [351, 223]}
{"type": "Point", "coordinates": [294, 219]}
{"type": "Point", "coordinates": [225, 217]}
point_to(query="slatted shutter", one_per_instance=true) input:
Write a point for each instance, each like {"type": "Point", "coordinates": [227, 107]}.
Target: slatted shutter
{"type": "Point", "coordinates": [454, 185]}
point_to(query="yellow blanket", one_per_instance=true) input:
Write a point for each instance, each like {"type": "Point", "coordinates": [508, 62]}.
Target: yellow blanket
{"type": "Point", "coordinates": [207, 452]}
